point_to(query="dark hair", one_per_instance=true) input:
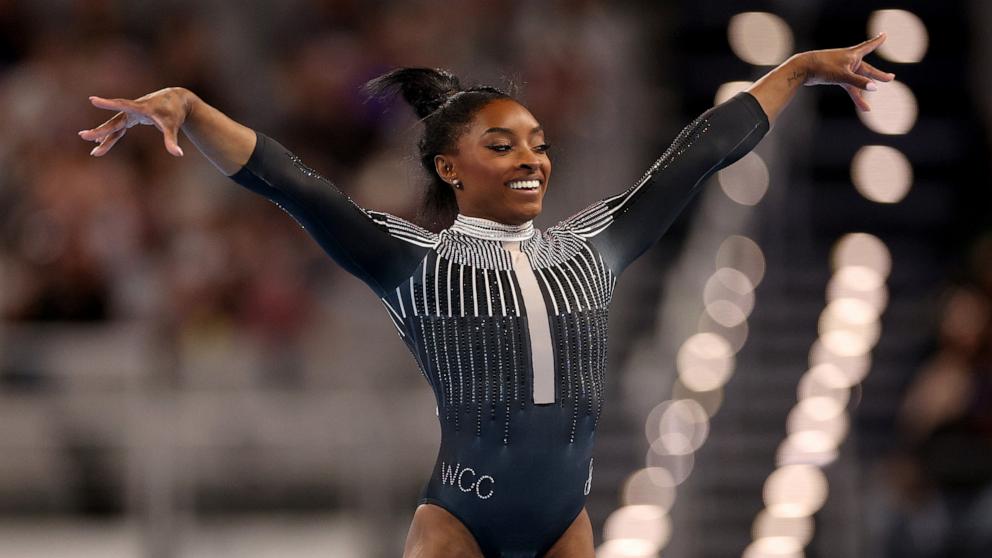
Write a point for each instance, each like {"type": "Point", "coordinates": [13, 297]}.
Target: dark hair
{"type": "Point", "coordinates": [446, 109]}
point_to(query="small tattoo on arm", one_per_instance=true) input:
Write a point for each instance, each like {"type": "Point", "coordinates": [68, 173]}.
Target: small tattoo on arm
{"type": "Point", "coordinates": [798, 76]}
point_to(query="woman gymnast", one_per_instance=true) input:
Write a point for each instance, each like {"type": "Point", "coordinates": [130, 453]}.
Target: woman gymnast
{"type": "Point", "coordinates": [506, 322]}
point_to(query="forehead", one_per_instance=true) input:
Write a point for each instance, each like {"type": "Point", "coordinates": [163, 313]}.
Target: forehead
{"type": "Point", "coordinates": [504, 113]}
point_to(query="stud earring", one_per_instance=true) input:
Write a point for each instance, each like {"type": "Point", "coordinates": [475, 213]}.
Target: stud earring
{"type": "Point", "coordinates": [457, 183]}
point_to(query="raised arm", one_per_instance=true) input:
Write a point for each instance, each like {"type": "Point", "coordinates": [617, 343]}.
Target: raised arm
{"type": "Point", "coordinates": [623, 226]}
{"type": "Point", "coordinates": [376, 247]}
{"type": "Point", "coordinates": [838, 66]}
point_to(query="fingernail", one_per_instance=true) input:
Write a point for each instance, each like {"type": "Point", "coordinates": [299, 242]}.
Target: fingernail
{"type": "Point", "coordinates": [180, 149]}
{"type": "Point", "coordinates": [871, 86]}
{"type": "Point", "coordinates": [94, 150]}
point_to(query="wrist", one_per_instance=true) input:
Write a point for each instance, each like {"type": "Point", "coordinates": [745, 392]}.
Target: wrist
{"type": "Point", "coordinates": [801, 67]}
{"type": "Point", "coordinates": [189, 102]}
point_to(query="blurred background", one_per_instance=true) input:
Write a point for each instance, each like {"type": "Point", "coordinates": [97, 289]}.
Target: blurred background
{"type": "Point", "coordinates": [802, 366]}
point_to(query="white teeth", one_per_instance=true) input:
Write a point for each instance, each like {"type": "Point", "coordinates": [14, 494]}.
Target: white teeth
{"type": "Point", "coordinates": [525, 184]}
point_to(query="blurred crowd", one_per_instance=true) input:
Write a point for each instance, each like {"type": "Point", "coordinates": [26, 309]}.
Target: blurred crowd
{"type": "Point", "coordinates": [141, 235]}
{"type": "Point", "coordinates": [940, 477]}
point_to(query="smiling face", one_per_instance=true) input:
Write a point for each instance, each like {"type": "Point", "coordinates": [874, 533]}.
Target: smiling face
{"type": "Point", "coordinates": [500, 156]}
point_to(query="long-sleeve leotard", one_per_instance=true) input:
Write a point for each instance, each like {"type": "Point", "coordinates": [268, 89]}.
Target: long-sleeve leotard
{"type": "Point", "coordinates": [510, 334]}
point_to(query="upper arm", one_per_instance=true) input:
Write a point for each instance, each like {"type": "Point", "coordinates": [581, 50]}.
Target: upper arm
{"type": "Point", "coordinates": [376, 247]}
{"type": "Point", "coordinates": [623, 226]}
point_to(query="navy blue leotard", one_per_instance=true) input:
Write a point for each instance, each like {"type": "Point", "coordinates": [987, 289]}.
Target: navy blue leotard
{"type": "Point", "coordinates": [508, 323]}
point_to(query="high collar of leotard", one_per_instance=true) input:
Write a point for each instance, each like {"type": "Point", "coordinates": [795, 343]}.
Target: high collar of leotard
{"type": "Point", "coordinates": [492, 230]}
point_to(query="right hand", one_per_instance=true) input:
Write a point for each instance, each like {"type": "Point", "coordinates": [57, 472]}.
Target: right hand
{"type": "Point", "coordinates": [166, 109]}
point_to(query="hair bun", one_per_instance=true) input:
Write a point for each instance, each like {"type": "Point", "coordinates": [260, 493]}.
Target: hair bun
{"type": "Point", "coordinates": [425, 89]}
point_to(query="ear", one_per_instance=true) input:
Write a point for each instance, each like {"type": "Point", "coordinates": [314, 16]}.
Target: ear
{"type": "Point", "coordinates": [445, 168]}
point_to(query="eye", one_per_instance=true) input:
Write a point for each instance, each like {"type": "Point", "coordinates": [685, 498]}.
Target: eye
{"type": "Point", "coordinates": [543, 148]}
{"type": "Point", "coordinates": [500, 148]}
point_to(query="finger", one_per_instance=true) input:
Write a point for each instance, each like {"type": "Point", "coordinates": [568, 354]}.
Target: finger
{"type": "Point", "coordinates": [112, 104]}
{"type": "Point", "coordinates": [857, 95]}
{"type": "Point", "coordinates": [170, 135]}
{"type": "Point", "coordinates": [867, 70]}
{"type": "Point", "coordinates": [870, 45]}
{"type": "Point", "coordinates": [860, 82]}
{"type": "Point", "coordinates": [107, 143]}
{"type": "Point", "coordinates": [115, 123]}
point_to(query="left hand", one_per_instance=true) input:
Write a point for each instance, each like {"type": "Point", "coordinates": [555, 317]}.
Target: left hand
{"type": "Point", "coordinates": [845, 67]}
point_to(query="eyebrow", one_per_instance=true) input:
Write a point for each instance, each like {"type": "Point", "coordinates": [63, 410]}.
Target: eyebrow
{"type": "Point", "coordinates": [509, 131]}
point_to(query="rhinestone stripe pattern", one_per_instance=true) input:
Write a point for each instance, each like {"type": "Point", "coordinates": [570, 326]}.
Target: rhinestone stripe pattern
{"type": "Point", "coordinates": [462, 316]}
{"type": "Point", "coordinates": [594, 219]}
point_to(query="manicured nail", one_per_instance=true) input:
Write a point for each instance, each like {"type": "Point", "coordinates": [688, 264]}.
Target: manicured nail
{"type": "Point", "coordinates": [180, 150]}
{"type": "Point", "coordinates": [871, 86]}
{"type": "Point", "coordinates": [94, 150]}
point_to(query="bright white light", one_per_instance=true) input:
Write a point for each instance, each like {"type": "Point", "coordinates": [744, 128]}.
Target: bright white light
{"type": "Point", "coordinates": [881, 174]}
{"type": "Point", "coordinates": [845, 343]}
{"type": "Point", "coordinates": [795, 491]}
{"type": "Point", "coordinates": [626, 548]}
{"type": "Point", "coordinates": [731, 285]}
{"type": "Point", "coordinates": [862, 249]}
{"type": "Point", "coordinates": [854, 366]}
{"type": "Point", "coordinates": [705, 361]}
{"type": "Point", "coordinates": [774, 547]}
{"type": "Point", "coordinates": [736, 335]}
{"type": "Point", "coordinates": [680, 425]}
{"type": "Point", "coordinates": [729, 89]}
{"type": "Point", "coordinates": [746, 181]}
{"type": "Point", "coordinates": [744, 255]}
{"type": "Point", "coordinates": [807, 448]}
{"type": "Point", "coordinates": [893, 108]}
{"type": "Point", "coordinates": [798, 528]}
{"type": "Point", "coordinates": [725, 313]}
{"type": "Point", "coordinates": [710, 401]}
{"type": "Point", "coordinates": [804, 418]}
{"type": "Point", "coordinates": [860, 282]}
{"type": "Point", "coordinates": [650, 487]}
{"type": "Point", "coordinates": [760, 38]}
{"type": "Point", "coordinates": [678, 466]}
{"type": "Point", "coordinates": [850, 316]}
{"type": "Point", "coordinates": [825, 381]}
{"type": "Point", "coordinates": [907, 38]}
{"type": "Point", "coordinates": [647, 523]}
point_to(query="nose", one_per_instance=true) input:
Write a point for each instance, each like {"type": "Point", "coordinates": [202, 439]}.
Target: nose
{"type": "Point", "coordinates": [530, 164]}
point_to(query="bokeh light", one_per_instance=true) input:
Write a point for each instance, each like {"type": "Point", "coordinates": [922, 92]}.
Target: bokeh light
{"type": "Point", "coordinates": [705, 361]}
{"type": "Point", "coordinates": [854, 367]}
{"type": "Point", "coordinates": [626, 548]}
{"type": "Point", "coordinates": [678, 466]}
{"type": "Point", "coordinates": [798, 528]}
{"type": "Point", "coordinates": [735, 335]}
{"type": "Point", "coordinates": [641, 522]}
{"type": "Point", "coordinates": [760, 38]}
{"type": "Point", "coordinates": [795, 490]}
{"type": "Point", "coordinates": [730, 285]}
{"type": "Point", "coordinates": [729, 89]}
{"type": "Point", "coordinates": [861, 283]}
{"type": "Point", "coordinates": [907, 39]}
{"type": "Point", "coordinates": [850, 316]}
{"type": "Point", "coordinates": [774, 547]}
{"type": "Point", "coordinates": [864, 250]}
{"type": "Point", "coordinates": [743, 254]}
{"type": "Point", "coordinates": [746, 181]}
{"type": "Point", "coordinates": [649, 487]}
{"type": "Point", "coordinates": [893, 108]}
{"type": "Point", "coordinates": [810, 447]}
{"type": "Point", "coordinates": [881, 174]}
{"type": "Point", "coordinates": [710, 400]}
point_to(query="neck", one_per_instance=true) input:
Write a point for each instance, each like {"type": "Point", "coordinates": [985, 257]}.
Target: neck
{"type": "Point", "coordinates": [492, 230]}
